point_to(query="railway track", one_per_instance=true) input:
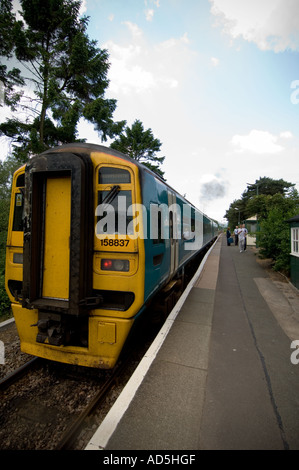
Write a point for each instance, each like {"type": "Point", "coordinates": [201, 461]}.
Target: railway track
{"type": "Point", "coordinates": [36, 415]}
{"type": "Point", "coordinates": [14, 376]}
{"type": "Point", "coordinates": [46, 405]}
{"type": "Point", "coordinates": [49, 406]}
{"type": "Point", "coordinates": [70, 435]}
{"type": "Point", "coordinates": [53, 406]}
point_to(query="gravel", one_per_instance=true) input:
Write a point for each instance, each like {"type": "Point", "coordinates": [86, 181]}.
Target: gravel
{"type": "Point", "coordinates": [13, 357]}
{"type": "Point", "coordinates": [36, 411]}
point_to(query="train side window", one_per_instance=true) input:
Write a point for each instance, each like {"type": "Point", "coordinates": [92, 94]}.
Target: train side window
{"type": "Point", "coordinates": [159, 234]}
{"type": "Point", "coordinates": [121, 219]}
{"type": "Point", "coordinates": [171, 225]}
{"type": "Point", "coordinates": [20, 183]}
{"type": "Point", "coordinates": [17, 225]}
{"type": "Point", "coordinates": [192, 220]}
{"type": "Point", "coordinates": [109, 175]}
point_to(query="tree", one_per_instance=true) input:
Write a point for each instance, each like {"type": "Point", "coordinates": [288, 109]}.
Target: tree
{"type": "Point", "coordinates": [5, 187]}
{"type": "Point", "coordinates": [140, 145]}
{"type": "Point", "coordinates": [236, 212]}
{"type": "Point", "coordinates": [266, 186]}
{"type": "Point", "coordinates": [59, 76]}
{"type": "Point", "coordinates": [68, 75]}
{"type": "Point", "coordinates": [254, 198]}
{"type": "Point", "coordinates": [8, 78]}
{"type": "Point", "coordinates": [273, 201]}
{"type": "Point", "coordinates": [274, 235]}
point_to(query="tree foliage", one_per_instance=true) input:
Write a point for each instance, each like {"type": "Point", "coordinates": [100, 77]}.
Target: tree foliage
{"type": "Point", "coordinates": [273, 201]}
{"type": "Point", "coordinates": [253, 199]}
{"type": "Point", "coordinates": [51, 76]}
{"type": "Point", "coordinates": [141, 145]}
{"type": "Point", "coordinates": [65, 71]}
{"type": "Point", "coordinates": [9, 77]}
{"type": "Point", "coordinates": [274, 238]}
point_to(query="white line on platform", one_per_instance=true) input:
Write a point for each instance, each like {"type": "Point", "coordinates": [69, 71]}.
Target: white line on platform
{"type": "Point", "coordinates": [101, 437]}
{"type": "Point", "coordinates": [6, 322]}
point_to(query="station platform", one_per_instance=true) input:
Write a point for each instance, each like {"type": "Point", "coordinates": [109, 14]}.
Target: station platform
{"type": "Point", "coordinates": [222, 373]}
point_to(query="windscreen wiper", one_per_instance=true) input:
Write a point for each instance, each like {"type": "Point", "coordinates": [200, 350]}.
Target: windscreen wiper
{"type": "Point", "coordinates": [111, 195]}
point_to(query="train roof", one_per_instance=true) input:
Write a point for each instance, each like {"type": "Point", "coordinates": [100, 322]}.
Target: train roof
{"type": "Point", "coordinates": [89, 148]}
{"type": "Point", "coordinates": [80, 147]}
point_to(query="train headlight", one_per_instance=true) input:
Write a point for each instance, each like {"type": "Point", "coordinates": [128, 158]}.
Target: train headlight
{"type": "Point", "coordinates": [121, 265]}
{"type": "Point", "coordinates": [115, 265]}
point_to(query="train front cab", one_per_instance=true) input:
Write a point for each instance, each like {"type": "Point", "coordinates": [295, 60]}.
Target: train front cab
{"type": "Point", "coordinates": [15, 238]}
{"type": "Point", "coordinates": [77, 294]}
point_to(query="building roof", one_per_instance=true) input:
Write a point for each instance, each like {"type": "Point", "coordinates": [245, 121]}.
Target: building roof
{"type": "Point", "coordinates": [293, 219]}
{"type": "Point", "coordinates": [252, 218]}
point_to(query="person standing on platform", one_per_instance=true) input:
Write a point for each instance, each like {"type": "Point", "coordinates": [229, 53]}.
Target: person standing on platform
{"type": "Point", "coordinates": [236, 235]}
{"type": "Point", "coordinates": [241, 237]}
{"type": "Point", "coordinates": [245, 239]}
{"type": "Point", "coordinates": [228, 234]}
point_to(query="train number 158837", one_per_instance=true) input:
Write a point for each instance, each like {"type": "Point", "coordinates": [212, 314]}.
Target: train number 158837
{"type": "Point", "coordinates": [112, 242]}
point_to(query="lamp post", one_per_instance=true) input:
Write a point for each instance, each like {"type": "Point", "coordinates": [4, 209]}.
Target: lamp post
{"type": "Point", "coordinates": [237, 209]}
{"type": "Point", "coordinates": [257, 223]}
{"type": "Point", "coordinates": [255, 184]}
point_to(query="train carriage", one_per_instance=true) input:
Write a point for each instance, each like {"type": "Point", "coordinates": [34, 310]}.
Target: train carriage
{"type": "Point", "coordinates": [93, 238]}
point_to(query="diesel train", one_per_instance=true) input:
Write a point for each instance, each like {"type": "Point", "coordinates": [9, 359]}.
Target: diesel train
{"type": "Point", "coordinates": [94, 238]}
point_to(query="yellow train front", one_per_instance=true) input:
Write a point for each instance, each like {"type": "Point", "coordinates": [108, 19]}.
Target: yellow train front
{"type": "Point", "coordinates": [79, 267]}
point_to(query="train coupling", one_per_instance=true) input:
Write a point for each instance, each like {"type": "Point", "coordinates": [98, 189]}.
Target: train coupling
{"type": "Point", "coordinates": [57, 330]}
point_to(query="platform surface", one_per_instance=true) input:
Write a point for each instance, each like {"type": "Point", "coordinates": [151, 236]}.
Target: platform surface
{"type": "Point", "coordinates": [223, 377]}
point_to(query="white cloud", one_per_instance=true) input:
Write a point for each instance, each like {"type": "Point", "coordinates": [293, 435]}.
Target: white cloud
{"type": "Point", "coordinates": [125, 74]}
{"type": "Point", "coordinates": [83, 7]}
{"type": "Point", "coordinates": [155, 2]}
{"type": "Point", "coordinates": [270, 24]}
{"type": "Point", "coordinates": [134, 29]}
{"type": "Point", "coordinates": [149, 14]}
{"type": "Point", "coordinates": [5, 147]}
{"type": "Point", "coordinates": [173, 42]}
{"type": "Point", "coordinates": [259, 142]}
{"type": "Point", "coordinates": [140, 67]}
{"type": "Point", "coordinates": [214, 61]}
{"type": "Point", "coordinates": [286, 135]}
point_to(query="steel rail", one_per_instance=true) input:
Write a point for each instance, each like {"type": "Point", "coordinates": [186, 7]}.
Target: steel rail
{"type": "Point", "coordinates": [71, 432]}
{"type": "Point", "coordinates": [9, 379]}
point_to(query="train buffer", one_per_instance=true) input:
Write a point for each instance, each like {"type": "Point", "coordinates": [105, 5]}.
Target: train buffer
{"type": "Point", "coordinates": [226, 375]}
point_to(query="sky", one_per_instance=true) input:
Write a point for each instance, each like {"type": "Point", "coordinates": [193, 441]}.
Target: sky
{"type": "Point", "coordinates": [217, 81]}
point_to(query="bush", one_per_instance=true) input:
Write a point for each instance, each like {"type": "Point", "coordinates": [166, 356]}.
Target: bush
{"type": "Point", "coordinates": [5, 306]}
{"type": "Point", "coordinates": [5, 310]}
{"type": "Point", "coordinates": [274, 239]}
